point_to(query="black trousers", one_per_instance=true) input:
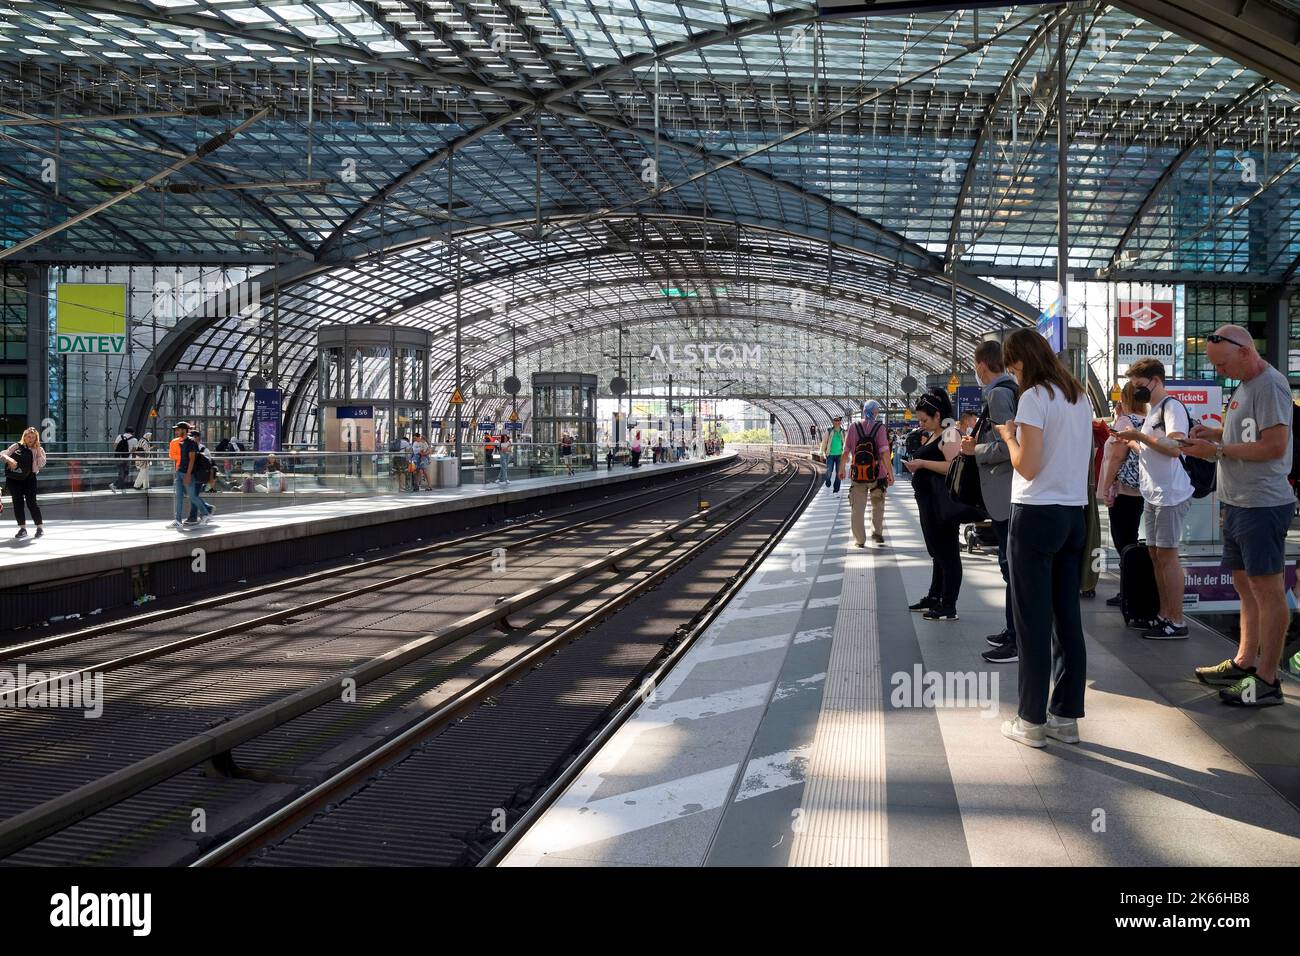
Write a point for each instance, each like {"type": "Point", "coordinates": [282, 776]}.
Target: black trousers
{"type": "Point", "coordinates": [1003, 531]}
{"type": "Point", "coordinates": [23, 492]}
{"type": "Point", "coordinates": [943, 544]}
{"type": "Point", "coordinates": [1048, 548]}
{"type": "Point", "coordinates": [1125, 517]}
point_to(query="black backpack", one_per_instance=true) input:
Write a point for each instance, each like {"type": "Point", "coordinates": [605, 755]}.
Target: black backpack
{"type": "Point", "coordinates": [203, 464]}
{"type": "Point", "coordinates": [123, 446]}
{"type": "Point", "coordinates": [1203, 474]}
{"type": "Point", "coordinates": [866, 463]}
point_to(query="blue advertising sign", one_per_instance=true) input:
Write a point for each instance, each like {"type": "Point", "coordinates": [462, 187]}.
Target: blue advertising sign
{"type": "Point", "coordinates": [266, 419]}
{"type": "Point", "coordinates": [1051, 325]}
{"type": "Point", "coordinates": [355, 411]}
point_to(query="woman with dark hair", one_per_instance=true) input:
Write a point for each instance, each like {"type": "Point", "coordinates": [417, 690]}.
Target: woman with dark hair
{"type": "Point", "coordinates": [1050, 442]}
{"type": "Point", "coordinates": [1118, 485]}
{"type": "Point", "coordinates": [940, 444]}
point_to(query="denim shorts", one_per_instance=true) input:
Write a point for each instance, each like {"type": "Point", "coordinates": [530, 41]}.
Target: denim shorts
{"type": "Point", "coordinates": [1254, 539]}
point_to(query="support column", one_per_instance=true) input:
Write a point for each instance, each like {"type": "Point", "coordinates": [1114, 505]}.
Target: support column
{"type": "Point", "coordinates": [1277, 329]}
{"type": "Point", "coordinates": [38, 339]}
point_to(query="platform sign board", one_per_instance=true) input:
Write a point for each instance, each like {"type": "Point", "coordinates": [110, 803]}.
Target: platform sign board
{"type": "Point", "coordinates": [514, 426]}
{"type": "Point", "coordinates": [355, 411]}
{"type": "Point", "coordinates": [487, 426]}
{"type": "Point", "coordinates": [266, 419]}
{"type": "Point", "coordinates": [970, 398]}
{"type": "Point", "coordinates": [1144, 329]}
{"type": "Point", "coordinates": [90, 318]}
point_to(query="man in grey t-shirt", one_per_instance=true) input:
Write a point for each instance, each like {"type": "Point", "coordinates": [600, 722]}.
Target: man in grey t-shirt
{"type": "Point", "coordinates": [1253, 450]}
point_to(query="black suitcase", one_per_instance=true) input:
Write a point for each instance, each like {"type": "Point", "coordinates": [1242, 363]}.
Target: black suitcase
{"type": "Point", "coordinates": [1137, 576]}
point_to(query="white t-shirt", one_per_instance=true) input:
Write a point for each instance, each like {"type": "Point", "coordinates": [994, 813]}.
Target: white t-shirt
{"type": "Point", "coordinates": [1067, 449]}
{"type": "Point", "coordinates": [1164, 479]}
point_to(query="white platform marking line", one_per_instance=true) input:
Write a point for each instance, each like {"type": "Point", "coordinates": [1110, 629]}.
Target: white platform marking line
{"type": "Point", "coordinates": [843, 821]}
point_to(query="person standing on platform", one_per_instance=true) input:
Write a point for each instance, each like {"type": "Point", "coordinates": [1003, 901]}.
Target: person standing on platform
{"type": "Point", "coordinates": [122, 451]}
{"type": "Point", "coordinates": [23, 461]}
{"type": "Point", "coordinates": [832, 448]}
{"type": "Point", "coordinates": [140, 460]}
{"type": "Point", "coordinates": [504, 449]}
{"type": "Point", "coordinates": [940, 444]}
{"type": "Point", "coordinates": [1050, 444]}
{"type": "Point", "coordinates": [1001, 395]}
{"type": "Point", "coordinates": [1254, 450]}
{"type": "Point", "coordinates": [1166, 490]}
{"type": "Point", "coordinates": [636, 450]}
{"type": "Point", "coordinates": [877, 474]}
{"type": "Point", "coordinates": [566, 451]}
{"type": "Point", "coordinates": [1120, 483]}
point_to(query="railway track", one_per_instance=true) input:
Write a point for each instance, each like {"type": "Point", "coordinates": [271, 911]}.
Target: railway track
{"type": "Point", "coordinates": [309, 728]}
{"type": "Point", "coordinates": [443, 790]}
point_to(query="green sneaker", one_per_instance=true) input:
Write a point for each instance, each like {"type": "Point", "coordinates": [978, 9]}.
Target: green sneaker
{"type": "Point", "coordinates": [1223, 675]}
{"type": "Point", "coordinates": [1294, 665]}
{"type": "Point", "coordinates": [1252, 691]}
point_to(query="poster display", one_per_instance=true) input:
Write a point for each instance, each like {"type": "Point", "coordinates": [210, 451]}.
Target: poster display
{"type": "Point", "coordinates": [1144, 329]}
{"type": "Point", "coordinates": [90, 318]}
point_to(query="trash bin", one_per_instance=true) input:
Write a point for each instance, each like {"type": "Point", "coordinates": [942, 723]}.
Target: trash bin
{"type": "Point", "coordinates": [445, 472]}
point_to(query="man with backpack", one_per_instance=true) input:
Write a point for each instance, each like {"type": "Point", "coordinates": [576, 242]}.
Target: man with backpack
{"type": "Point", "coordinates": [1255, 452]}
{"type": "Point", "coordinates": [1166, 490]}
{"type": "Point", "coordinates": [1001, 397]}
{"type": "Point", "coordinates": [122, 451]}
{"type": "Point", "coordinates": [867, 461]}
{"type": "Point", "coordinates": [193, 468]}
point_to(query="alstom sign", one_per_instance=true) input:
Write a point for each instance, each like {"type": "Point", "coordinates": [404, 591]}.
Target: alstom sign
{"type": "Point", "coordinates": [707, 353]}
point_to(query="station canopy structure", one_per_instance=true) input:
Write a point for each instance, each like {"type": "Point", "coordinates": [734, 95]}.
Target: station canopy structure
{"type": "Point", "coordinates": [574, 184]}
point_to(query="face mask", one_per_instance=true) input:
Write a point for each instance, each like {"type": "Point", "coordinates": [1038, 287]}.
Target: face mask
{"type": "Point", "coordinates": [1142, 394]}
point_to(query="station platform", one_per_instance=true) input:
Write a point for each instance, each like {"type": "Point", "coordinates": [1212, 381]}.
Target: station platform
{"type": "Point", "coordinates": [83, 565]}
{"type": "Point", "coordinates": [797, 732]}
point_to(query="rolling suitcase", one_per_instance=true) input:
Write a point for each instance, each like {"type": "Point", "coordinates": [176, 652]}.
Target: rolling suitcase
{"type": "Point", "coordinates": [1141, 598]}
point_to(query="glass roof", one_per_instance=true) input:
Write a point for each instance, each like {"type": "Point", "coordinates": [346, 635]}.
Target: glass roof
{"type": "Point", "coordinates": [917, 143]}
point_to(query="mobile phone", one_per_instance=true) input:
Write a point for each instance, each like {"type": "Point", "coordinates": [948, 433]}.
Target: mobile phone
{"type": "Point", "coordinates": [1183, 442]}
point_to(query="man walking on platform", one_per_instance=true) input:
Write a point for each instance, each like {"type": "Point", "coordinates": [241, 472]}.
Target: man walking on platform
{"type": "Point", "coordinates": [1253, 450]}
{"type": "Point", "coordinates": [869, 474]}
{"type": "Point", "coordinates": [1001, 396]}
{"type": "Point", "coordinates": [832, 449]}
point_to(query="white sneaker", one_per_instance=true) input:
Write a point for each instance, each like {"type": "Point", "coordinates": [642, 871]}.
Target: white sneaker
{"type": "Point", "coordinates": [203, 519]}
{"type": "Point", "coordinates": [178, 524]}
{"type": "Point", "coordinates": [1023, 732]}
{"type": "Point", "coordinates": [1064, 729]}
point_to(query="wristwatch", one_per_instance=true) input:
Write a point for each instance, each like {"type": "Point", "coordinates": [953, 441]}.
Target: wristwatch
{"type": "Point", "coordinates": [1218, 452]}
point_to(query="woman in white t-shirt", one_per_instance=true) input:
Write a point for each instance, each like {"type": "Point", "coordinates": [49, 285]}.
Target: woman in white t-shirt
{"type": "Point", "coordinates": [1050, 443]}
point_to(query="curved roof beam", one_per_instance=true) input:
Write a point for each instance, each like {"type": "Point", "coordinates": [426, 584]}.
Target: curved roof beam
{"type": "Point", "coordinates": [1261, 36]}
{"type": "Point", "coordinates": [103, 223]}
{"type": "Point", "coordinates": [732, 33]}
{"type": "Point", "coordinates": [1172, 169]}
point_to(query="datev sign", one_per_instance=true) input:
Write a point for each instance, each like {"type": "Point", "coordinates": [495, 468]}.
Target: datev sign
{"type": "Point", "coordinates": [1146, 330]}
{"type": "Point", "coordinates": [90, 318]}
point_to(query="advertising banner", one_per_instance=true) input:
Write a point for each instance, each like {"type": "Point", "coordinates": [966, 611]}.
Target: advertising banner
{"type": "Point", "coordinates": [266, 419]}
{"type": "Point", "coordinates": [1145, 329]}
{"type": "Point", "coordinates": [1204, 400]}
{"type": "Point", "coordinates": [1051, 325]}
{"type": "Point", "coordinates": [90, 318]}
{"type": "Point", "coordinates": [1208, 587]}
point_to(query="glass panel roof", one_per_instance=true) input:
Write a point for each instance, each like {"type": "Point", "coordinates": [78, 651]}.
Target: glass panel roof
{"type": "Point", "coordinates": [917, 142]}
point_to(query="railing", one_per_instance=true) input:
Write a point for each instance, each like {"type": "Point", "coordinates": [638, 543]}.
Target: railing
{"type": "Point", "coordinates": [92, 486]}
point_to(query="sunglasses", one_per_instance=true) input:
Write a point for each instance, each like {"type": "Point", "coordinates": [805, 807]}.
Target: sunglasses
{"type": "Point", "coordinates": [1216, 339]}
